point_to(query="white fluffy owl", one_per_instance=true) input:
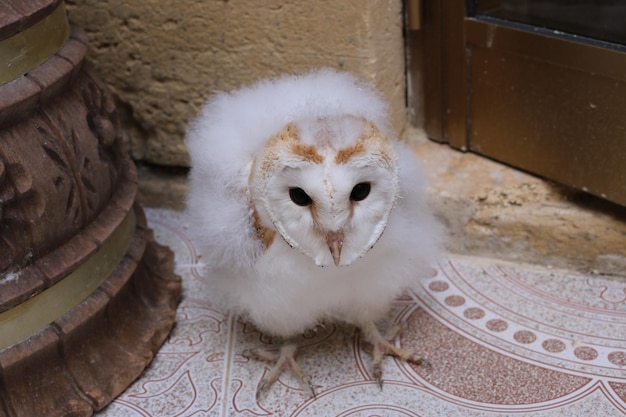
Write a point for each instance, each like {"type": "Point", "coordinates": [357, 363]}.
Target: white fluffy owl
{"type": "Point", "coordinates": [306, 208]}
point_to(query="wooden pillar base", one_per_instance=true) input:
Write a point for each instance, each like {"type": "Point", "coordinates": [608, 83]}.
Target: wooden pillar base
{"type": "Point", "coordinates": [86, 295]}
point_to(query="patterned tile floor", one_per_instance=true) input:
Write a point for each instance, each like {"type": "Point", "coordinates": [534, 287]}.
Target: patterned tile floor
{"type": "Point", "coordinates": [502, 339]}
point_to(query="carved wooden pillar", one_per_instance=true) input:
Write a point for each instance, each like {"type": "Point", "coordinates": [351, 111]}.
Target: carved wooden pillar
{"type": "Point", "coordinates": [86, 295]}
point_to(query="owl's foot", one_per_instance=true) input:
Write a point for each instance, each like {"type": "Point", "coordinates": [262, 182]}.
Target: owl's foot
{"type": "Point", "coordinates": [284, 361]}
{"type": "Point", "coordinates": [379, 347]}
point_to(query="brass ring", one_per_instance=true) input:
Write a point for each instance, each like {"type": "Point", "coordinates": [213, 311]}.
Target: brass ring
{"type": "Point", "coordinates": [36, 313]}
{"type": "Point", "coordinates": [25, 50]}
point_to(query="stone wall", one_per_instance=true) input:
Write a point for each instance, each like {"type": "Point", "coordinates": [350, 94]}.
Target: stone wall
{"type": "Point", "coordinates": [163, 58]}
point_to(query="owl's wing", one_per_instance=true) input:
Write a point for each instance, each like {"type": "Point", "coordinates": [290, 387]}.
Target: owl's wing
{"type": "Point", "coordinates": [218, 208]}
{"type": "Point", "coordinates": [413, 223]}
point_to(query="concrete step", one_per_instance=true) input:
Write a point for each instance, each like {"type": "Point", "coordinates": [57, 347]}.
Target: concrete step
{"type": "Point", "coordinates": [490, 209]}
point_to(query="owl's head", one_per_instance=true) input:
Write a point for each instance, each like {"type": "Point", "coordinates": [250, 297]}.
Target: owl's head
{"type": "Point", "coordinates": [327, 186]}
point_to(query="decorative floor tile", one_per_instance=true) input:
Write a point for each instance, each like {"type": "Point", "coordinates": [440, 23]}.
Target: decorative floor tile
{"type": "Point", "coordinates": [502, 339]}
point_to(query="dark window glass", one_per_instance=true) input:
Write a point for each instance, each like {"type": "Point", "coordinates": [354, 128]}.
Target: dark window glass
{"type": "Point", "coordinates": [598, 19]}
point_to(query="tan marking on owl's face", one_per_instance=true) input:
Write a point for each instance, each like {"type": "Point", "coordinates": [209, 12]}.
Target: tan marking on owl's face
{"type": "Point", "coordinates": [344, 155]}
{"type": "Point", "coordinates": [307, 152]}
{"type": "Point", "coordinates": [371, 139]}
{"type": "Point", "coordinates": [286, 142]}
{"type": "Point", "coordinates": [289, 138]}
{"type": "Point", "coordinates": [263, 233]}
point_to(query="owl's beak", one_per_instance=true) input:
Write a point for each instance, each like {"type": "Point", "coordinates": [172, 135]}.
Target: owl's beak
{"type": "Point", "coordinates": [335, 242]}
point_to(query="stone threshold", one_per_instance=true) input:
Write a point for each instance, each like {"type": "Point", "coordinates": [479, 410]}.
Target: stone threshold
{"type": "Point", "coordinates": [493, 210]}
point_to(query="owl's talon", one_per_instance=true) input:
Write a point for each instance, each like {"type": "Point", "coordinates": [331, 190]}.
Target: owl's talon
{"type": "Point", "coordinates": [260, 355]}
{"type": "Point", "coordinates": [377, 374]}
{"type": "Point", "coordinates": [420, 360]}
{"type": "Point", "coordinates": [308, 386]}
{"type": "Point", "coordinates": [261, 390]}
{"type": "Point", "coordinates": [379, 347]}
{"type": "Point", "coordinates": [284, 361]}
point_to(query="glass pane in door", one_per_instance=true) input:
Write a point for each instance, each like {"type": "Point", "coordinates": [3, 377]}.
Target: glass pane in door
{"type": "Point", "coordinates": [599, 19]}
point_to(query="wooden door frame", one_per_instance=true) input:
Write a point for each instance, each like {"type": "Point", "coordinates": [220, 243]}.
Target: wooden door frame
{"type": "Point", "coordinates": [454, 111]}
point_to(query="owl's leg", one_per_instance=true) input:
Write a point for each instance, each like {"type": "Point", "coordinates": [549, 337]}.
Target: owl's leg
{"type": "Point", "coordinates": [284, 361]}
{"type": "Point", "coordinates": [381, 347]}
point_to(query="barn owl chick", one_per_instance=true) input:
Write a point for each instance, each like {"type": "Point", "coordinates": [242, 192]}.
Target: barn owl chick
{"type": "Point", "coordinates": [306, 208]}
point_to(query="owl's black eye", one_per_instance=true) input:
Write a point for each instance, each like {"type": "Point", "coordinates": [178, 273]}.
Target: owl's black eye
{"type": "Point", "coordinates": [300, 197]}
{"type": "Point", "coordinates": [360, 191]}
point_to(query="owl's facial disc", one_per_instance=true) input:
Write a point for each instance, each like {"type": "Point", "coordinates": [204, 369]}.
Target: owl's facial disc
{"type": "Point", "coordinates": [332, 205]}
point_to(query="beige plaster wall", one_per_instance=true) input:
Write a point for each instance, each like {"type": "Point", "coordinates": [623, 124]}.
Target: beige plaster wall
{"type": "Point", "coordinates": [163, 58]}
